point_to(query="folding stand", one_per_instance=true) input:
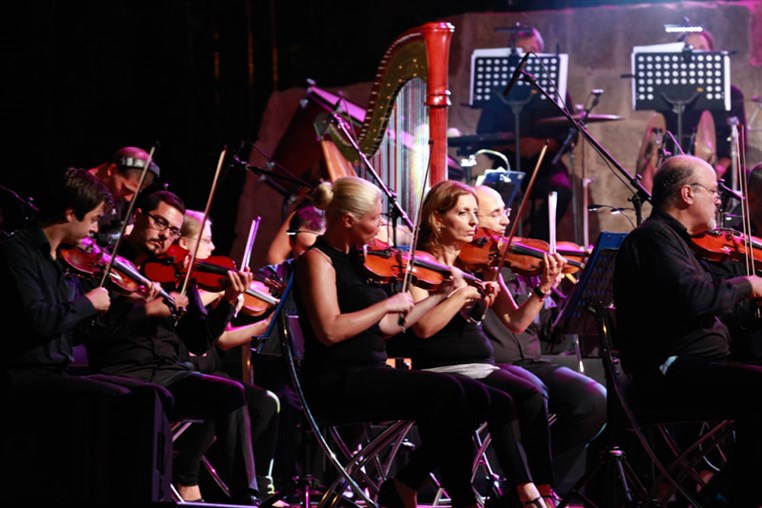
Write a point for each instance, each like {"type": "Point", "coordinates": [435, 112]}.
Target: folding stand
{"type": "Point", "coordinates": [491, 72]}
{"type": "Point", "coordinates": [594, 291]}
{"type": "Point", "coordinates": [669, 78]}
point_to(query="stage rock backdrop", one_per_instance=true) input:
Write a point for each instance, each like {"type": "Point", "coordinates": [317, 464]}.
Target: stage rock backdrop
{"type": "Point", "coordinates": [599, 42]}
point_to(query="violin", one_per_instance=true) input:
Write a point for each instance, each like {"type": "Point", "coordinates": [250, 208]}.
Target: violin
{"type": "Point", "coordinates": [387, 264]}
{"type": "Point", "coordinates": [210, 274]}
{"type": "Point", "coordinates": [258, 299]}
{"type": "Point", "coordinates": [526, 255]}
{"type": "Point", "coordinates": [727, 244]}
{"type": "Point", "coordinates": [87, 258]}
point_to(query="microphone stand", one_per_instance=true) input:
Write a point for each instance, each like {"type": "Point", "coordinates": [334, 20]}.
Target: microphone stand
{"type": "Point", "coordinates": [640, 194]}
{"type": "Point", "coordinates": [268, 174]}
{"type": "Point", "coordinates": [395, 210]}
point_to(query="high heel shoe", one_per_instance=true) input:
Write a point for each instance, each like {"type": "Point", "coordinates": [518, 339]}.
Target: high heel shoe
{"type": "Point", "coordinates": [536, 502]}
{"type": "Point", "coordinates": [388, 497]}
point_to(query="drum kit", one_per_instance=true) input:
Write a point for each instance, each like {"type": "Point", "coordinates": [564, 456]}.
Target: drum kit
{"type": "Point", "coordinates": [477, 151]}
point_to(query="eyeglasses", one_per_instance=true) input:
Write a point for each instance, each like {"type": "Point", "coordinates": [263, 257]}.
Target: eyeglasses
{"type": "Point", "coordinates": [715, 192]}
{"type": "Point", "coordinates": [160, 224]}
{"type": "Point", "coordinates": [505, 212]}
{"type": "Point", "coordinates": [293, 232]}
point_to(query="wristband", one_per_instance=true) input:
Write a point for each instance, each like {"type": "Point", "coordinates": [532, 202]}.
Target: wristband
{"type": "Point", "coordinates": [539, 293]}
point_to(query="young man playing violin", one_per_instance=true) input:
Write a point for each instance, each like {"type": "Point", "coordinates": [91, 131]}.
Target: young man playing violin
{"type": "Point", "coordinates": [450, 339]}
{"type": "Point", "coordinates": [43, 307]}
{"type": "Point", "coordinates": [145, 341]}
{"type": "Point", "coordinates": [578, 401]}
{"type": "Point", "coordinates": [684, 362]}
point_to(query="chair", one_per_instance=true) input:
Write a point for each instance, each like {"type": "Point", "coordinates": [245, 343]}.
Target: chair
{"type": "Point", "coordinates": [661, 436]}
{"type": "Point", "coordinates": [360, 468]}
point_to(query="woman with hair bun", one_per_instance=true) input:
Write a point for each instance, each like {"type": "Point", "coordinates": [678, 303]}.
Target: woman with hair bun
{"type": "Point", "coordinates": [346, 320]}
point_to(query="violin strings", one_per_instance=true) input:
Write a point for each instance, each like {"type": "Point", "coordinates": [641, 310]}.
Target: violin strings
{"type": "Point", "coordinates": [417, 228]}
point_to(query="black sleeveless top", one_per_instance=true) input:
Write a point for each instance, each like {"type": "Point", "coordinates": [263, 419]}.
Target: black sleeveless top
{"type": "Point", "coordinates": [457, 343]}
{"type": "Point", "coordinates": [354, 293]}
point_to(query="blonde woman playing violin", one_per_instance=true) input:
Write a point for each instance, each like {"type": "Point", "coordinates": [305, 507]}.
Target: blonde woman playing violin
{"type": "Point", "coordinates": [450, 341]}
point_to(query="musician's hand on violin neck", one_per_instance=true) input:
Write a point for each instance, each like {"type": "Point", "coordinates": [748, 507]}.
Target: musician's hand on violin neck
{"type": "Point", "coordinates": [553, 267]}
{"type": "Point", "coordinates": [237, 283]}
{"type": "Point", "coordinates": [99, 298]}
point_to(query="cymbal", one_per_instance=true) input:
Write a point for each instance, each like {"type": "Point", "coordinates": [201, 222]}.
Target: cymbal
{"type": "Point", "coordinates": [480, 139]}
{"type": "Point", "coordinates": [562, 120]}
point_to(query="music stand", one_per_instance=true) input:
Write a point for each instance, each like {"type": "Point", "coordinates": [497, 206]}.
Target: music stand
{"type": "Point", "coordinates": [595, 287]}
{"type": "Point", "coordinates": [506, 182]}
{"type": "Point", "coordinates": [491, 72]}
{"type": "Point", "coordinates": [674, 77]}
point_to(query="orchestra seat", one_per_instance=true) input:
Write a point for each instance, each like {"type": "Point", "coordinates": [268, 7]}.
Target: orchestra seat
{"type": "Point", "coordinates": [656, 457]}
{"type": "Point", "coordinates": [360, 454]}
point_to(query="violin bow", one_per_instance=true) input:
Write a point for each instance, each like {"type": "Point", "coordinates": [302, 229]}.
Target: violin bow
{"type": "Point", "coordinates": [522, 208]}
{"type": "Point", "coordinates": [203, 222]}
{"type": "Point", "coordinates": [739, 166]}
{"type": "Point", "coordinates": [253, 229]}
{"type": "Point", "coordinates": [479, 308]}
{"type": "Point", "coordinates": [127, 216]}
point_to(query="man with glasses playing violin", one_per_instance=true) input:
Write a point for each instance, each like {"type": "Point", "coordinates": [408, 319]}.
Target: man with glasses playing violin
{"type": "Point", "coordinates": [669, 331]}
{"type": "Point", "coordinates": [146, 341]}
{"type": "Point", "coordinates": [578, 401]}
{"type": "Point", "coordinates": [44, 308]}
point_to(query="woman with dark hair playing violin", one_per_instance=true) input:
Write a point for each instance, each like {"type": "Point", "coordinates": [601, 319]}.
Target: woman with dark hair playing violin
{"type": "Point", "coordinates": [147, 342]}
{"type": "Point", "coordinates": [449, 340]}
{"type": "Point", "coordinates": [346, 320]}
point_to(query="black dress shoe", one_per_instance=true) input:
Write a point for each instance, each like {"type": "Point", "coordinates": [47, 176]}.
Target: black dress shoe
{"type": "Point", "coordinates": [248, 498]}
{"type": "Point", "coordinates": [388, 497]}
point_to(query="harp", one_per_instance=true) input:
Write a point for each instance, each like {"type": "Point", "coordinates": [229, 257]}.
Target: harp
{"type": "Point", "coordinates": [403, 130]}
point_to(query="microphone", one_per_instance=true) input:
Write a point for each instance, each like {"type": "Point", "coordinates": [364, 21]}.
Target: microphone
{"type": "Point", "coordinates": [516, 74]}
{"type": "Point", "coordinates": [727, 190]}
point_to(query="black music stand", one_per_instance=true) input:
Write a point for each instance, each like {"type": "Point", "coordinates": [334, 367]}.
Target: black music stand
{"type": "Point", "coordinates": [491, 72]}
{"type": "Point", "coordinates": [674, 77]}
{"type": "Point", "coordinates": [593, 288]}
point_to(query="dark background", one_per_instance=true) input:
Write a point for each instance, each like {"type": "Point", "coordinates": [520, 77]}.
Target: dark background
{"type": "Point", "coordinates": [81, 79]}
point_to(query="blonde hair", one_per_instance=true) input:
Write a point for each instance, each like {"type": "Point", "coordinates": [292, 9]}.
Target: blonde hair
{"type": "Point", "coordinates": [192, 223]}
{"type": "Point", "coordinates": [441, 198]}
{"type": "Point", "coordinates": [348, 194]}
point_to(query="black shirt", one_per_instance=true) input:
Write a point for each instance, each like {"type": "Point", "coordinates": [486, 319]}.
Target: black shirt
{"type": "Point", "coordinates": [43, 302]}
{"type": "Point", "coordinates": [667, 303]}
{"type": "Point", "coordinates": [124, 341]}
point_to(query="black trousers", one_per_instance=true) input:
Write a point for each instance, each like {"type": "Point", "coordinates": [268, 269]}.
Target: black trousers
{"type": "Point", "coordinates": [222, 401]}
{"type": "Point", "coordinates": [446, 408]}
{"type": "Point", "coordinates": [577, 401]}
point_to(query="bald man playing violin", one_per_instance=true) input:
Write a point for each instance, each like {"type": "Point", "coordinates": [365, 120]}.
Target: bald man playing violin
{"type": "Point", "coordinates": [578, 401]}
{"type": "Point", "coordinates": [669, 331]}
{"type": "Point", "coordinates": [144, 341]}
